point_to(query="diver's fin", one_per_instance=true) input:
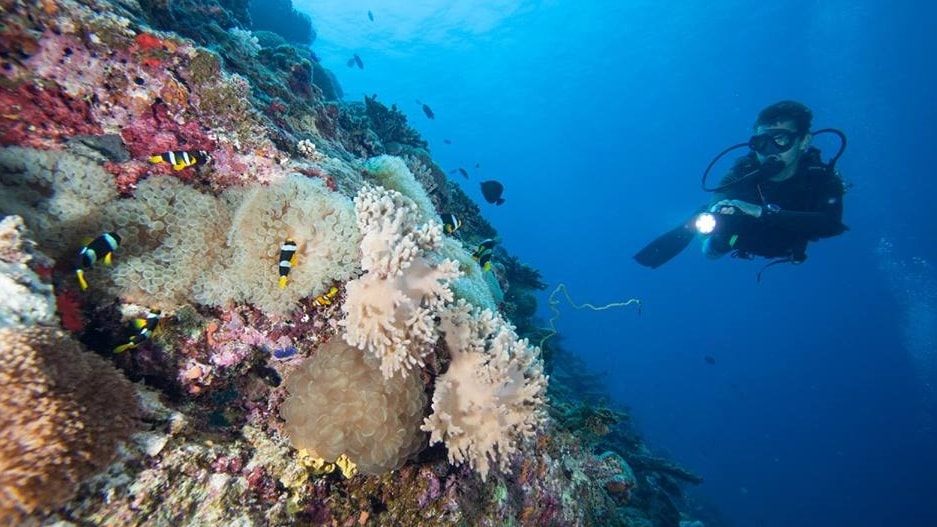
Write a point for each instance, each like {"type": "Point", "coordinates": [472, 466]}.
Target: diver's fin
{"type": "Point", "coordinates": [669, 244]}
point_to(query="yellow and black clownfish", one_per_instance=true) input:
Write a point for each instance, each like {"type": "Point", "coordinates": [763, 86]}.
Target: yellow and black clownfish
{"type": "Point", "coordinates": [325, 299]}
{"type": "Point", "coordinates": [450, 222]}
{"type": "Point", "coordinates": [143, 329]}
{"type": "Point", "coordinates": [486, 245]}
{"type": "Point", "coordinates": [180, 159]}
{"type": "Point", "coordinates": [484, 260]}
{"type": "Point", "coordinates": [287, 260]}
{"type": "Point", "coordinates": [99, 248]}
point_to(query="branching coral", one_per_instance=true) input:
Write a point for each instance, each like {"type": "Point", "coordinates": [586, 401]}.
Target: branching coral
{"type": "Point", "coordinates": [490, 399]}
{"type": "Point", "coordinates": [389, 311]}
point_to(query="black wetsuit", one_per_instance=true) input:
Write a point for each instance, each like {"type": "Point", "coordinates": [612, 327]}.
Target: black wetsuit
{"type": "Point", "coordinates": [811, 207]}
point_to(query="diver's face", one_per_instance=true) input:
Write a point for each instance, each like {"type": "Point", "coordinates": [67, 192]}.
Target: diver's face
{"type": "Point", "coordinates": [779, 140]}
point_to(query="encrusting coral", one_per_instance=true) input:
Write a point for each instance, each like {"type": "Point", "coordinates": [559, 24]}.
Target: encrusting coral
{"type": "Point", "coordinates": [491, 398]}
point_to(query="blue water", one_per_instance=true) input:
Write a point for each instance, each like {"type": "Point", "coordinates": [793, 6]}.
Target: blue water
{"type": "Point", "coordinates": [599, 118]}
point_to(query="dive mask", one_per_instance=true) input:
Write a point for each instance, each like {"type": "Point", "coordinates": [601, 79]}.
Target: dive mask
{"type": "Point", "coordinates": [773, 141]}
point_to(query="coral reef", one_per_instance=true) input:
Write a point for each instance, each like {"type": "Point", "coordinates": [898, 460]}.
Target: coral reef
{"type": "Point", "coordinates": [386, 331]}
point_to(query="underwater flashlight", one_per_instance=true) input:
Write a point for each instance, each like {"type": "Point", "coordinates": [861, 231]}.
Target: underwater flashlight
{"type": "Point", "coordinates": [705, 223]}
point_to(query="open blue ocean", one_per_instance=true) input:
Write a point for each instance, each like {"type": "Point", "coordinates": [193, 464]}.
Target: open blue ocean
{"type": "Point", "coordinates": [820, 406]}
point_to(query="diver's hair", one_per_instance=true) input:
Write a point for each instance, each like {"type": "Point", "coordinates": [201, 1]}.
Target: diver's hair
{"type": "Point", "coordinates": [782, 111]}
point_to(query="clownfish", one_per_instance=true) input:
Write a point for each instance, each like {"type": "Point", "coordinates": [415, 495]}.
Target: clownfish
{"type": "Point", "coordinates": [484, 260]}
{"type": "Point", "coordinates": [450, 222]}
{"type": "Point", "coordinates": [287, 260]}
{"type": "Point", "coordinates": [180, 159]}
{"type": "Point", "coordinates": [143, 329]}
{"type": "Point", "coordinates": [484, 252]}
{"type": "Point", "coordinates": [485, 246]}
{"type": "Point", "coordinates": [325, 299]}
{"type": "Point", "coordinates": [99, 248]}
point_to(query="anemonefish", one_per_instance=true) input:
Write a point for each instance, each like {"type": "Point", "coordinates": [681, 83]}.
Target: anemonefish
{"type": "Point", "coordinates": [180, 159]}
{"type": "Point", "coordinates": [99, 248]}
{"type": "Point", "coordinates": [484, 260]}
{"type": "Point", "coordinates": [450, 222]}
{"type": "Point", "coordinates": [325, 299]}
{"type": "Point", "coordinates": [287, 260]}
{"type": "Point", "coordinates": [485, 246]}
{"type": "Point", "coordinates": [143, 329]}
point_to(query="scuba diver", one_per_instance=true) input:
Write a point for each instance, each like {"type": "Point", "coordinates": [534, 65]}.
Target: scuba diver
{"type": "Point", "coordinates": [774, 200]}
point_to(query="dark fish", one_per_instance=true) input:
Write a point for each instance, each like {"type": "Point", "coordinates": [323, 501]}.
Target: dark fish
{"type": "Point", "coordinates": [428, 111]}
{"type": "Point", "coordinates": [463, 172]}
{"type": "Point", "coordinates": [492, 191]}
{"type": "Point", "coordinates": [484, 260]}
{"type": "Point", "coordinates": [448, 142]}
{"type": "Point", "coordinates": [477, 165]}
{"type": "Point", "coordinates": [358, 62]}
{"type": "Point", "coordinates": [370, 15]}
{"type": "Point", "coordinates": [709, 359]}
{"type": "Point", "coordinates": [487, 245]}
{"type": "Point", "coordinates": [314, 57]}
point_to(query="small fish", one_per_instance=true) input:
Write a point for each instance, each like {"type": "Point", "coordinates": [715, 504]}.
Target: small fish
{"type": "Point", "coordinates": [143, 329]}
{"type": "Point", "coordinates": [326, 298]}
{"type": "Point", "coordinates": [463, 172]}
{"type": "Point", "coordinates": [447, 141]}
{"type": "Point", "coordinates": [478, 165]}
{"type": "Point", "coordinates": [427, 110]}
{"type": "Point", "coordinates": [101, 248]}
{"type": "Point", "coordinates": [285, 353]}
{"type": "Point", "coordinates": [314, 56]}
{"type": "Point", "coordinates": [709, 359]}
{"type": "Point", "coordinates": [287, 260]}
{"type": "Point", "coordinates": [450, 222]}
{"type": "Point", "coordinates": [180, 159]}
{"type": "Point", "coordinates": [486, 245]}
{"type": "Point", "coordinates": [492, 191]}
{"type": "Point", "coordinates": [370, 15]}
{"type": "Point", "coordinates": [356, 60]}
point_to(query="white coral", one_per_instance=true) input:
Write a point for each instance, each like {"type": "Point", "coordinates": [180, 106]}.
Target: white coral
{"type": "Point", "coordinates": [491, 398]}
{"type": "Point", "coordinates": [389, 312]}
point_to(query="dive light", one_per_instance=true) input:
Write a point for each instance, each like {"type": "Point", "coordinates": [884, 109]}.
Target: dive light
{"type": "Point", "coordinates": [705, 223]}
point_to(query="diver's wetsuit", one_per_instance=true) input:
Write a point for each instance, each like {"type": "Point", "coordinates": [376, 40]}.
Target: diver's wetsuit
{"type": "Point", "coordinates": [811, 207]}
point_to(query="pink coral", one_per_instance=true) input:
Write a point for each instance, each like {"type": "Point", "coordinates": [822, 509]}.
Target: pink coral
{"type": "Point", "coordinates": [41, 117]}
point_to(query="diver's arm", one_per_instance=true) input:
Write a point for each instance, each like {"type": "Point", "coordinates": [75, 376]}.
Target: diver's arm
{"type": "Point", "coordinates": [709, 249]}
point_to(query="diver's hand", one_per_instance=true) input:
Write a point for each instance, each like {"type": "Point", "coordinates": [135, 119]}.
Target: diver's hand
{"type": "Point", "coordinates": [730, 206]}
